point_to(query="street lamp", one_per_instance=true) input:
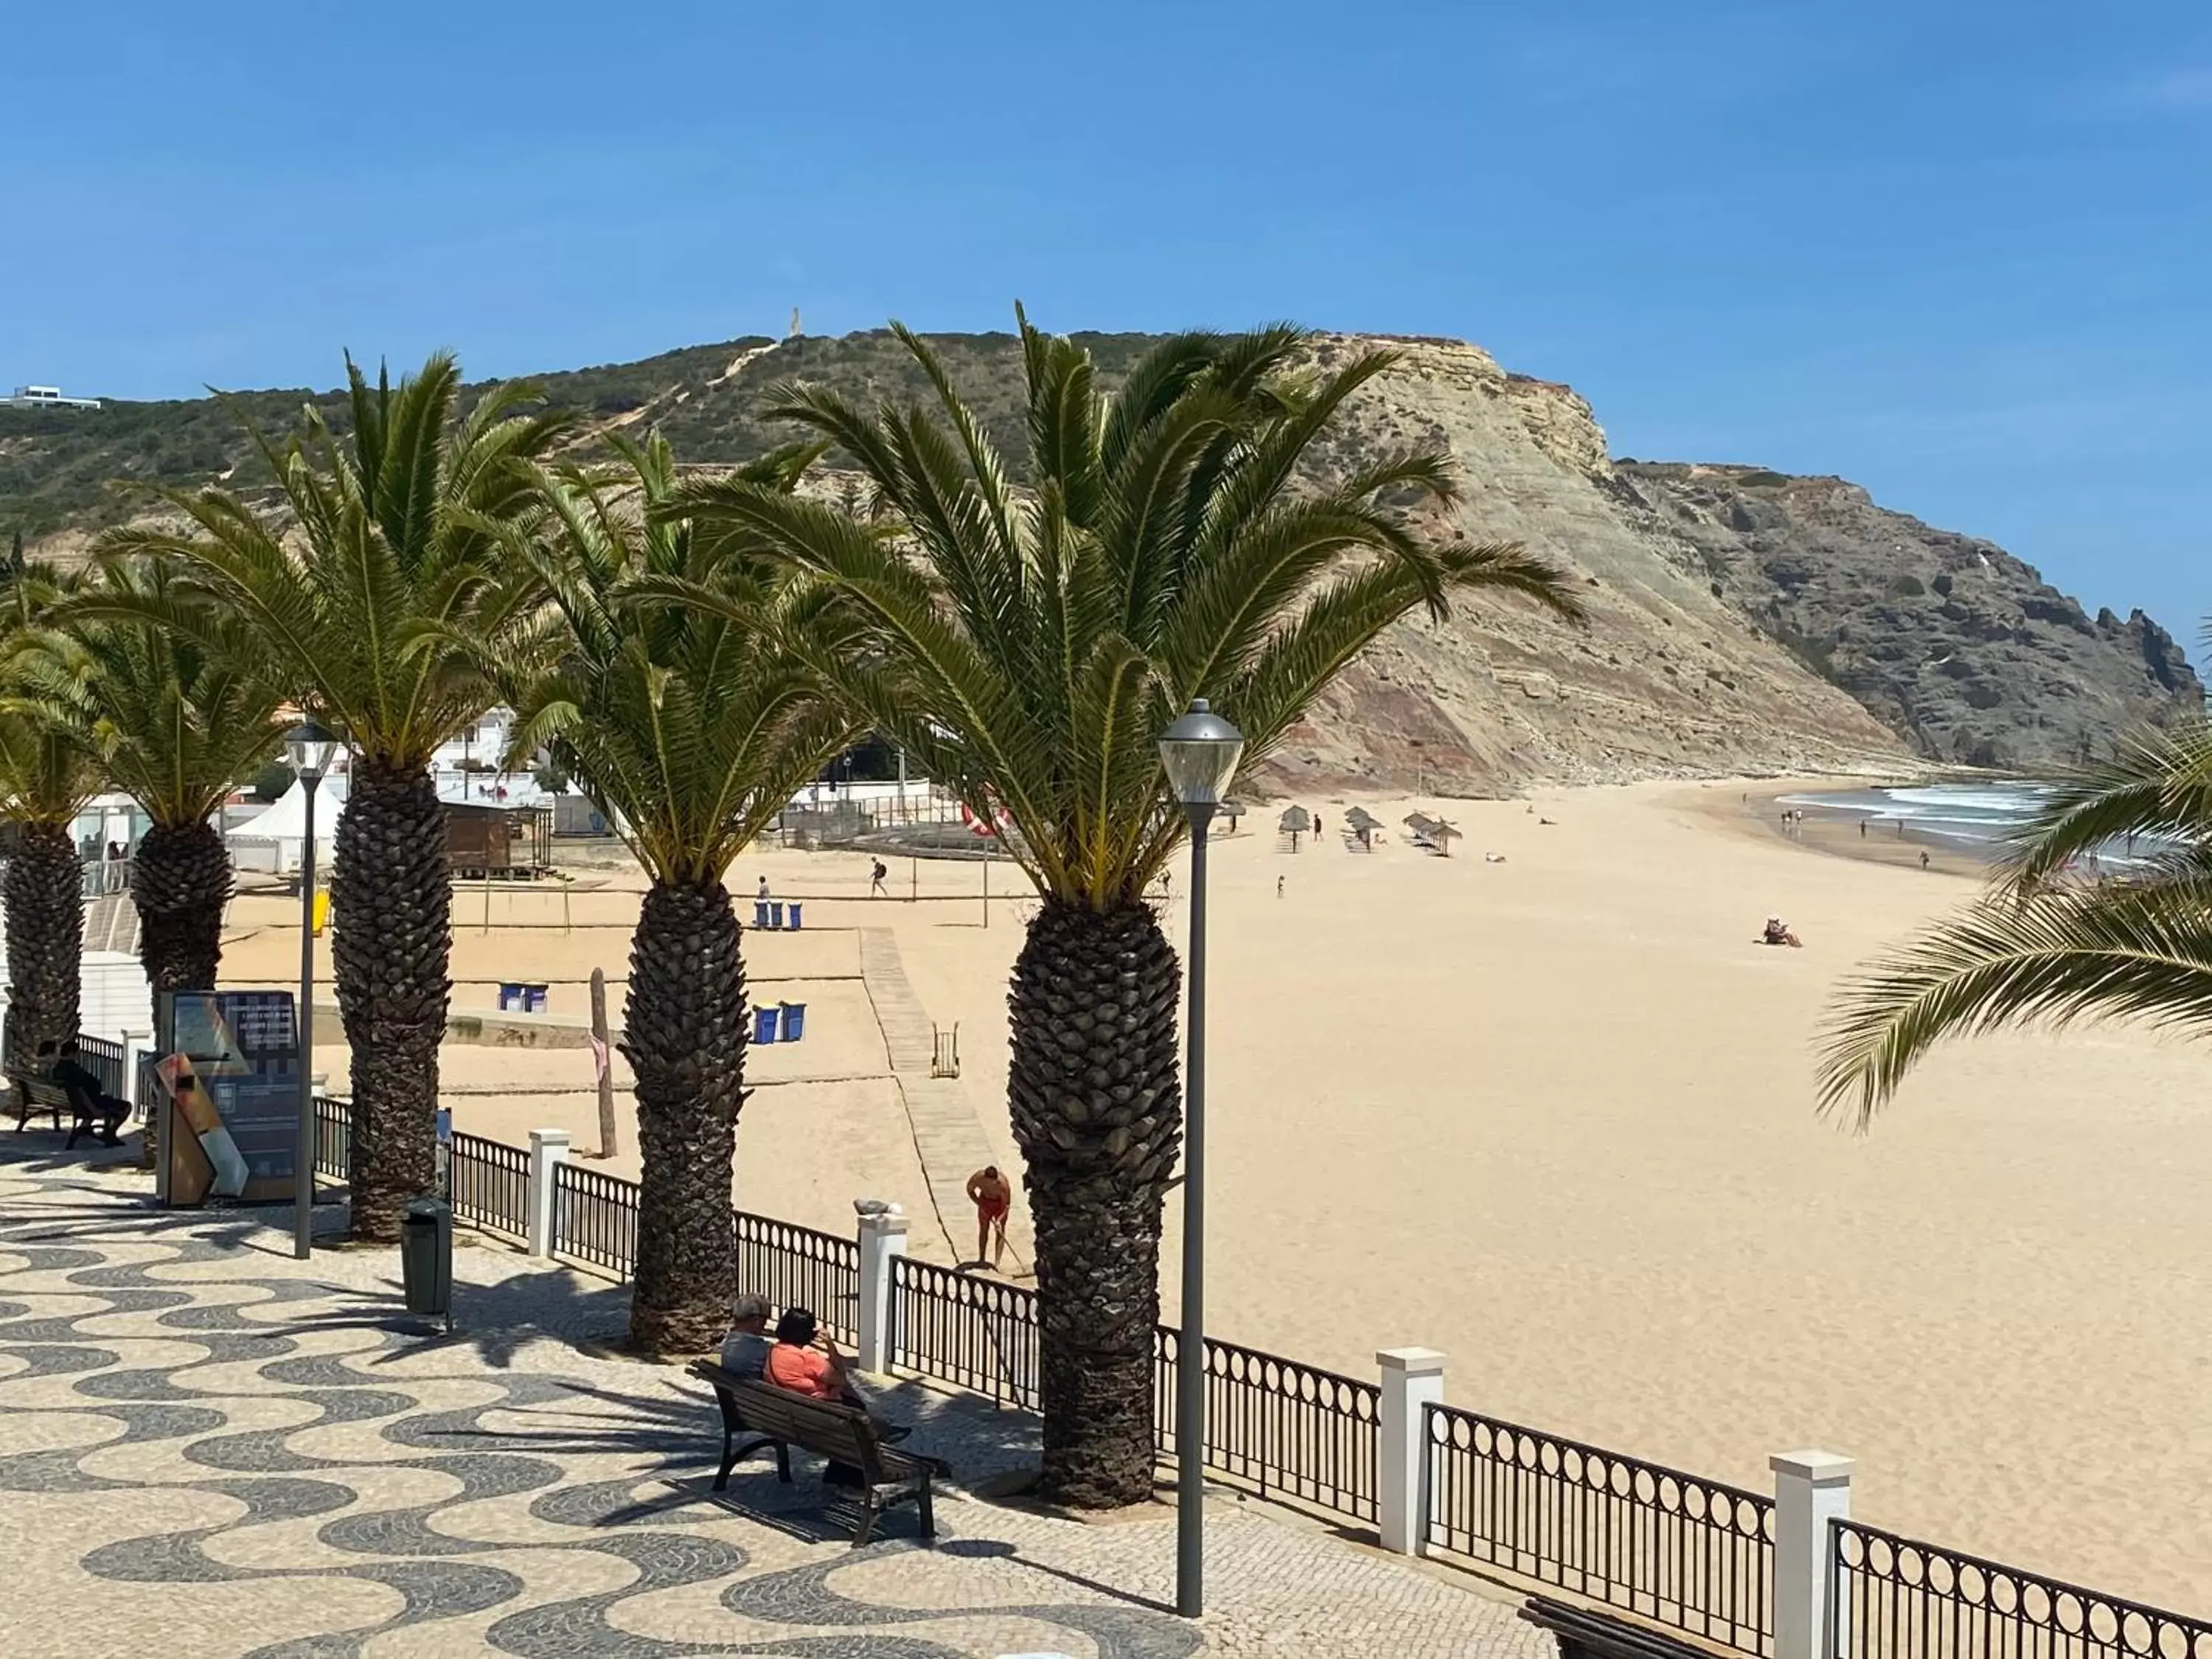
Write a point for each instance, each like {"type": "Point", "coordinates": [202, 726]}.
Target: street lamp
{"type": "Point", "coordinates": [1199, 753]}
{"type": "Point", "coordinates": [310, 748]}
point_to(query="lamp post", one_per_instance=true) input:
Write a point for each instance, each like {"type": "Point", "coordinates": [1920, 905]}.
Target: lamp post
{"type": "Point", "coordinates": [1199, 753]}
{"type": "Point", "coordinates": [310, 748]}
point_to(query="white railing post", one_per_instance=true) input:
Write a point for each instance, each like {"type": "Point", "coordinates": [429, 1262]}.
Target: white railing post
{"type": "Point", "coordinates": [1412, 1380]}
{"type": "Point", "coordinates": [882, 1238]}
{"type": "Point", "coordinates": [548, 1148]}
{"type": "Point", "coordinates": [1811, 1489]}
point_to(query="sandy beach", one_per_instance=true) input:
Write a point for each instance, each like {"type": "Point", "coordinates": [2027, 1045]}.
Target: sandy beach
{"type": "Point", "coordinates": [1554, 1116]}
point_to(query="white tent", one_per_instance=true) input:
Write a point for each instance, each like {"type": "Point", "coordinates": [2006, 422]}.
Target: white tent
{"type": "Point", "coordinates": [272, 840]}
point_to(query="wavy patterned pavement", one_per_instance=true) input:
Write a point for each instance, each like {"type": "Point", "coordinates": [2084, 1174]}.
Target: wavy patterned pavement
{"type": "Point", "coordinates": [209, 1449]}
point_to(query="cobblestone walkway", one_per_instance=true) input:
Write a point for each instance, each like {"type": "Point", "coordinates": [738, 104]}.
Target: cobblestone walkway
{"type": "Point", "coordinates": [209, 1449]}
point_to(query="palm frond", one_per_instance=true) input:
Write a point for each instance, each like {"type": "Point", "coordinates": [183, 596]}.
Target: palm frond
{"type": "Point", "coordinates": [2143, 953]}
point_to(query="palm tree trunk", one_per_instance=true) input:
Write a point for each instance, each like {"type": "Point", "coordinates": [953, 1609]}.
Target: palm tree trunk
{"type": "Point", "coordinates": [391, 910]}
{"type": "Point", "coordinates": [683, 1033]}
{"type": "Point", "coordinates": [1097, 1094]}
{"type": "Point", "coordinates": [45, 897]}
{"type": "Point", "coordinates": [180, 881]}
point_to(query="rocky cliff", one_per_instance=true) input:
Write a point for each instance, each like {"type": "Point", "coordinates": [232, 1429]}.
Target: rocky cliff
{"type": "Point", "coordinates": [1960, 647]}
{"type": "Point", "coordinates": [1739, 620]}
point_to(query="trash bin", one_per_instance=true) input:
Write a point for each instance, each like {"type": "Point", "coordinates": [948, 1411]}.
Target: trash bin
{"type": "Point", "coordinates": [775, 913]}
{"type": "Point", "coordinates": [426, 1256]}
{"type": "Point", "coordinates": [794, 1021]}
{"type": "Point", "coordinates": [760, 913]}
{"type": "Point", "coordinates": [533, 998]}
{"type": "Point", "coordinates": [764, 1024]}
{"type": "Point", "coordinates": [795, 914]}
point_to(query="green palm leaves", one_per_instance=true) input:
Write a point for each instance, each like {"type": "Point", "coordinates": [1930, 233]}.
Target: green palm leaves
{"type": "Point", "coordinates": [1171, 542]}
{"type": "Point", "coordinates": [177, 716]}
{"type": "Point", "coordinates": [2040, 946]}
{"type": "Point", "coordinates": [397, 547]}
{"type": "Point", "coordinates": [681, 689]}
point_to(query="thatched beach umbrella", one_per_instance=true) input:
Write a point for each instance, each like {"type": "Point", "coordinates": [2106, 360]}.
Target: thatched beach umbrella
{"type": "Point", "coordinates": [1294, 822]}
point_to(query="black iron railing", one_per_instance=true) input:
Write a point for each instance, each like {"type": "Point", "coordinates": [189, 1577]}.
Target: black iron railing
{"type": "Point", "coordinates": [796, 1267]}
{"type": "Point", "coordinates": [334, 1137]}
{"type": "Point", "coordinates": [594, 1218]}
{"type": "Point", "coordinates": [975, 1333]}
{"type": "Point", "coordinates": [1672, 1548]}
{"type": "Point", "coordinates": [490, 1184]}
{"type": "Point", "coordinates": [1896, 1598]}
{"type": "Point", "coordinates": [104, 1060]}
{"type": "Point", "coordinates": [1288, 1430]}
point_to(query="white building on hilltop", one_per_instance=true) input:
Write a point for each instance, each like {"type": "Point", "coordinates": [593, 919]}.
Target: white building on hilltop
{"type": "Point", "coordinates": [46, 397]}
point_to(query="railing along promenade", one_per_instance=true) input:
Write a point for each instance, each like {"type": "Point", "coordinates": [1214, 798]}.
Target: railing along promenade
{"type": "Point", "coordinates": [1782, 1575]}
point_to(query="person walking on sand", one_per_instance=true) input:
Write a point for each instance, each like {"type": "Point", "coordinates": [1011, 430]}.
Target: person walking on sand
{"type": "Point", "coordinates": [989, 1192]}
{"type": "Point", "coordinates": [876, 879]}
{"type": "Point", "coordinates": [1278, 887]}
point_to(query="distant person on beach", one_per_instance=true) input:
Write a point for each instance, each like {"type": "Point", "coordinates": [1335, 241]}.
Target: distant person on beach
{"type": "Point", "coordinates": [745, 1349]}
{"type": "Point", "coordinates": [1778, 934]}
{"type": "Point", "coordinates": [761, 891]}
{"type": "Point", "coordinates": [876, 879]}
{"type": "Point", "coordinates": [1278, 887]}
{"type": "Point", "coordinates": [1923, 858]}
{"type": "Point", "coordinates": [989, 1192]}
{"type": "Point", "coordinates": [1863, 829]}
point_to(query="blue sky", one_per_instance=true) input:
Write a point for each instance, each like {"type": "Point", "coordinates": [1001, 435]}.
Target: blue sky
{"type": "Point", "coordinates": [1958, 251]}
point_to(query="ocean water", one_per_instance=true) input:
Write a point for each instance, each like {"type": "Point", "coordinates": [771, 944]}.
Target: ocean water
{"type": "Point", "coordinates": [1980, 818]}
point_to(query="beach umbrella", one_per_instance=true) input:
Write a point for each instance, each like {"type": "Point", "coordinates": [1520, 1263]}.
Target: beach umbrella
{"type": "Point", "coordinates": [1294, 822]}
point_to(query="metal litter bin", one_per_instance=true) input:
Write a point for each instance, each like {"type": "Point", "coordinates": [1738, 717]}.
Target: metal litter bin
{"type": "Point", "coordinates": [760, 915]}
{"type": "Point", "coordinates": [426, 1257]}
{"type": "Point", "coordinates": [793, 918]}
{"type": "Point", "coordinates": [794, 1021]}
{"type": "Point", "coordinates": [765, 1022]}
{"type": "Point", "coordinates": [775, 913]}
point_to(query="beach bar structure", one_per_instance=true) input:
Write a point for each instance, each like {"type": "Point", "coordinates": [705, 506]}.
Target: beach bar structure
{"type": "Point", "coordinates": [484, 840]}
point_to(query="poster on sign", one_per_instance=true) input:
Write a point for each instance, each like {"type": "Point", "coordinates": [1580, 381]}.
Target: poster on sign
{"type": "Point", "coordinates": [232, 1077]}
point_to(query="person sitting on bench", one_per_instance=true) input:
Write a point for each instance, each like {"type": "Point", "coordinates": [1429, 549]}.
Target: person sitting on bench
{"type": "Point", "coordinates": [745, 1349]}
{"type": "Point", "coordinates": [107, 1111]}
{"type": "Point", "coordinates": [820, 1373]}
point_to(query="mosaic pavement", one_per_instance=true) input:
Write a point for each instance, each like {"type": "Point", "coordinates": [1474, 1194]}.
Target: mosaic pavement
{"type": "Point", "coordinates": [209, 1449]}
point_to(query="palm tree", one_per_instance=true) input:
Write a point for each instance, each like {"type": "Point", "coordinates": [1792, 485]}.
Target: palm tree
{"type": "Point", "coordinates": [179, 713]}
{"type": "Point", "coordinates": [398, 546]}
{"type": "Point", "coordinates": [47, 775]}
{"type": "Point", "coordinates": [691, 724]}
{"type": "Point", "coordinates": [1172, 543]}
{"type": "Point", "coordinates": [2043, 945]}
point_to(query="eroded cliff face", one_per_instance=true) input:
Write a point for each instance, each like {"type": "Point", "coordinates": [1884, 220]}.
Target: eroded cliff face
{"type": "Point", "coordinates": [1664, 678]}
{"type": "Point", "coordinates": [1962, 647]}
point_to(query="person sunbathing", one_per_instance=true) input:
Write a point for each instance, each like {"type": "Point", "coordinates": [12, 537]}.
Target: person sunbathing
{"type": "Point", "coordinates": [1777, 933]}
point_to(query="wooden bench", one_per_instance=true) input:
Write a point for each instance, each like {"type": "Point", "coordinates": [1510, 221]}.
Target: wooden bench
{"type": "Point", "coordinates": [776, 1417]}
{"type": "Point", "coordinates": [87, 1115]}
{"type": "Point", "coordinates": [1586, 1633]}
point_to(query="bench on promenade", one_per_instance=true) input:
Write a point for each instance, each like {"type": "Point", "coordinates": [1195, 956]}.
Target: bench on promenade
{"type": "Point", "coordinates": [88, 1114]}
{"type": "Point", "coordinates": [776, 1417]}
{"type": "Point", "coordinates": [1585, 1633]}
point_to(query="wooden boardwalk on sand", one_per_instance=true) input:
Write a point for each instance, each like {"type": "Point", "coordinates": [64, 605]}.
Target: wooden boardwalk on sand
{"type": "Point", "coordinates": [947, 1137]}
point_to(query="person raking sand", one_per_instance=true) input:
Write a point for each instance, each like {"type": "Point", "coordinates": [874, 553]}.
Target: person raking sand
{"type": "Point", "coordinates": [988, 1191]}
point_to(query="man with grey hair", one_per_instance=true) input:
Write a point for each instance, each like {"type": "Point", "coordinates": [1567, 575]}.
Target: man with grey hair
{"type": "Point", "coordinates": [745, 1350]}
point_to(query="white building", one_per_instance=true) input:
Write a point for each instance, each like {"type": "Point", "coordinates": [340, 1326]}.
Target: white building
{"type": "Point", "coordinates": [46, 397]}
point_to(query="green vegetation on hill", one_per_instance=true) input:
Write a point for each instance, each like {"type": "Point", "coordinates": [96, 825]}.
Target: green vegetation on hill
{"type": "Point", "coordinates": [71, 470]}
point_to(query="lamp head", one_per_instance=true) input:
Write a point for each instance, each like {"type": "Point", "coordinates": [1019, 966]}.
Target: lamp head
{"type": "Point", "coordinates": [1200, 754]}
{"type": "Point", "coordinates": [310, 750]}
